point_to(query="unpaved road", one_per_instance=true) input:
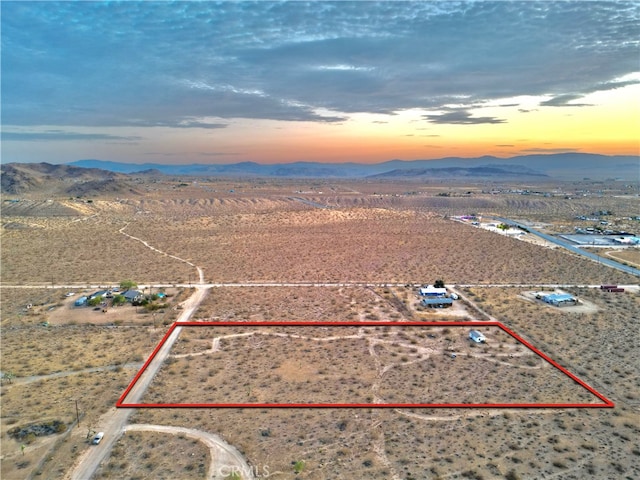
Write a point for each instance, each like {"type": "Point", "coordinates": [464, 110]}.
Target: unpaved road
{"type": "Point", "coordinates": [114, 421]}
{"type": "Point", "coordinates": [631, 287]}
{"type": "Point", "coordinates": [67, 373]}
{"type": "Point", "coordinates": [224, 457]}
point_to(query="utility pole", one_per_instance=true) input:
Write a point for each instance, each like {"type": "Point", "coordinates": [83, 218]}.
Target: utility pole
{"type": "Point", "coordinates": [77, 413]}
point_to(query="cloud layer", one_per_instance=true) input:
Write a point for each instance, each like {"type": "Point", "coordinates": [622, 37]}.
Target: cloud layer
{"type": "Point", "coordinates": [200, 64]}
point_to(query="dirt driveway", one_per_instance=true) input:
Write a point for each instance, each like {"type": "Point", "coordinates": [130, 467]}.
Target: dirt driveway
{"type": "Point", "coordinates": [584, 306]}
{"type": "Point", "coordinates": [68, 313]}
{"type": "Point", "coordinates": [224, 457]}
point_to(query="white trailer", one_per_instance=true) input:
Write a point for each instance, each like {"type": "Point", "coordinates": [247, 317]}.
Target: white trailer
{"type": "Point", "coordinates": [477, 337]}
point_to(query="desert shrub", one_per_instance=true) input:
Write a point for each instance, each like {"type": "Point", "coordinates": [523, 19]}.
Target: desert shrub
{"type": "Point", "coordinates": [29, 433]}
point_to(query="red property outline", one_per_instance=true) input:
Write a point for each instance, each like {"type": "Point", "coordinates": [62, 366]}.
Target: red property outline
{"type": "Point", "coordinates": [120, 403]}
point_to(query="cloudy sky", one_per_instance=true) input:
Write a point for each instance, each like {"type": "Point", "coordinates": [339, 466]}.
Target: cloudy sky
{"type": "Point", "coordinates": [224, 82]}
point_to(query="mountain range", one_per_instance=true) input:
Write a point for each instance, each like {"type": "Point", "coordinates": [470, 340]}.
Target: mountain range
{"type": "Point", "coordinates": [92, 177]}
{"type": "Point", "coordinates": [563, 166]}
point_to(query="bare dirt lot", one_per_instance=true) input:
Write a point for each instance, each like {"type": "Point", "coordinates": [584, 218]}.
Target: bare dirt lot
{"type": "Point", "coordinates": [128, 460]}
{"type": "Point", "coordinates": [627, 255]}
{"type": "Point", "coordinates": [355, 365]}
{"type": "Point", "coordinates": [583, 306]}
{"type": "Point", "coordinates": [323, 303]}
{"type": "Point", "coordinates": [277, 232]}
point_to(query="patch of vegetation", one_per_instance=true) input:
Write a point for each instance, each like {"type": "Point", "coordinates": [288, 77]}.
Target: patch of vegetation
{"type": "Point", "coordinates": [28, 433]}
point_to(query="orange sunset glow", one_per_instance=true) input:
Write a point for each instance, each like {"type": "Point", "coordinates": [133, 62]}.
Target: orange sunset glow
{"type": "Point", "coordinates": [345, 82]}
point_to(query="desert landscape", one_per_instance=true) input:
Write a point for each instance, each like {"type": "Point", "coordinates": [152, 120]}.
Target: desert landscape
{"type": "Point", "coordinates": [319, 240]}
{"type": "Point", "coordinates": [308, 251]}
{"type": "Point", "coordinates": [365, 364]}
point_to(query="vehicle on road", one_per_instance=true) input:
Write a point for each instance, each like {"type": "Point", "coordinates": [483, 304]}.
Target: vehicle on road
{"type": "Point", "coordinates": [97, 438]}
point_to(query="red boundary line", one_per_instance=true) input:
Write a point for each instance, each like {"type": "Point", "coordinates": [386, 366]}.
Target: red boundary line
{"type": "Point", "coordinates": [120, 403]}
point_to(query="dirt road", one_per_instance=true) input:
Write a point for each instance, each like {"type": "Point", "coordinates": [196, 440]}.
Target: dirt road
{"type": "Point", "coordinates": [225, 459]}
{"type": "Point", "coordinates": [114, 421]}
{"type": "Point", "coordinates": [67, 373]}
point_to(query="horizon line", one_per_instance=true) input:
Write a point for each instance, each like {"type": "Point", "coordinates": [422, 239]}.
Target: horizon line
{"type": "Point", "coordinates": [345, 162]}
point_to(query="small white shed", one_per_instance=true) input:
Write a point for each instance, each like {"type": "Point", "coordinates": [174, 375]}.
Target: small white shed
{"type": "Point", "coordinates": [477, 337]}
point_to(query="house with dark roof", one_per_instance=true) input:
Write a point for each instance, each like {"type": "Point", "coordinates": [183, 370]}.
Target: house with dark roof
{"type": "Point", "coordinates": [437, 302]}
{"type": "Point", "coordinates": [132, 296]}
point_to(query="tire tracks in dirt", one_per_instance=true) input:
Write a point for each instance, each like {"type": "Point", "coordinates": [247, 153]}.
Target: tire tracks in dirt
{"type": "Point", "coordinates": [163, 253]}
{"type": "Point", "coordinates": [115, 420]}
{"type": "Point", "coordinates": [224, 457]}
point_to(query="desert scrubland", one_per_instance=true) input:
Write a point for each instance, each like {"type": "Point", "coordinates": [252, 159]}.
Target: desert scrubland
{"type": "Point", "coordinates": [243, 232]}
{"type": "Point", "coordinates": [356, 365]}
{"type": "Point", "coordinates": [361, 245]}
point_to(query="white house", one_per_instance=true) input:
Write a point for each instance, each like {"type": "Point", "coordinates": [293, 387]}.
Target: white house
{"type": "Point", "coordinates": [431, 291]}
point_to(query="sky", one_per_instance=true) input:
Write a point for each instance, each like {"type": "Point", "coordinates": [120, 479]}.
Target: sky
{"type": "Point", "coordinates": [278, 82]}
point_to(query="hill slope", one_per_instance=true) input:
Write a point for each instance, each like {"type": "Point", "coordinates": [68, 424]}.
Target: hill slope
{"type": "Point", "coordinates": [20, 178]}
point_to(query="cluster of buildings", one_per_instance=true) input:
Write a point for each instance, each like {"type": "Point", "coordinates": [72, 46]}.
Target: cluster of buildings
{"type": "Point", "coordinates": [439, 297]}
{"type": "Point", "coordinates": [558, 299]}
{"type": "Point", "coordinates": [131, 296]}
{"type": "Point", "coordinates": [435, 297]}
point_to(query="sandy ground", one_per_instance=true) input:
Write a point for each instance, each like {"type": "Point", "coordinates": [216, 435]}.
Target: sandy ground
{"type": "Point", "coordinates": [67, 312]}
{"type": "Point", "coordinates": [583, 306]}
{"type": "Point", "coordinates": [224, 458]}
{"type": "Point", "coordinates": [383, 235]}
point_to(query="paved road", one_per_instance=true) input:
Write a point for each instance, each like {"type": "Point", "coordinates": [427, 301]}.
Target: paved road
{"type": "Point", "coordinates": [564, 244]}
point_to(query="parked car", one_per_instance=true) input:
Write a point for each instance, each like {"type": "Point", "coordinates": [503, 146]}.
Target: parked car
{"type": "Point", "coordinates": [97, 438]}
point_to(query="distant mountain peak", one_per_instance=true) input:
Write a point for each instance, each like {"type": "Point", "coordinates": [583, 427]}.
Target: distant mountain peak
{"type": "Point", "coordinates": [567, 165]}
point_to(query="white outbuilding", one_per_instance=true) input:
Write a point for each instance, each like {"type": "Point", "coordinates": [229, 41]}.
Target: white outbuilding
{"type": "Point", "coordinates": [477, 337]}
